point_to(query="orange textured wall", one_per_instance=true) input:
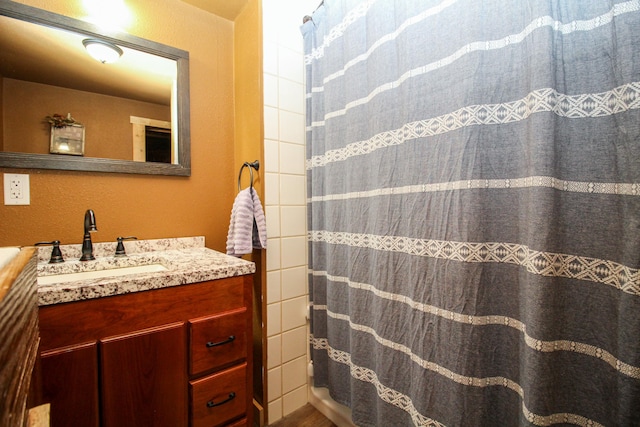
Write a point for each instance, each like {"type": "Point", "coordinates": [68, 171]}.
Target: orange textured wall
{"type": "Point", "coordinates": [1, 112]}
{"type": "Point", "coordinates": [249, 137]}
{"type": "Point", "coordinates": [107, 119]}
{"type": "Point", "coordinates": [249, 102]}
{"type": "Point", "coordinates": [148, 206]}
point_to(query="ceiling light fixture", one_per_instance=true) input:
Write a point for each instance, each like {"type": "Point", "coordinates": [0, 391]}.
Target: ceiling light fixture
{"type": "Point", "coordinates": [102, 51]}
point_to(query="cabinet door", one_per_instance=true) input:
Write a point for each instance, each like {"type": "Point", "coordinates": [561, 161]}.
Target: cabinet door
{"type": "Point", "coordinates": [144, 378]}
{"type": "Point", "coordinates": [70, 384]}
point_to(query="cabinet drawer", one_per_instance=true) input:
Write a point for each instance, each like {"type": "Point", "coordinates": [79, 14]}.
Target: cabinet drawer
{"type": "Point", "coordinates": [216, 341]}
{"type": "Point", "coordinates": [219, 398]}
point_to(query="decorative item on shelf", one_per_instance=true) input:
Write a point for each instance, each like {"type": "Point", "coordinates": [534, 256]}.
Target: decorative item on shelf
{"type": "Point", "coordinates": [60, 121]}
{"type": "Point", "coordinates": [67, 135]}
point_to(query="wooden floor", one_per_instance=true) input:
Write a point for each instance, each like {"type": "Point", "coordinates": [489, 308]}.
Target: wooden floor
{"type": "Point", "coordinates": [307, 416]}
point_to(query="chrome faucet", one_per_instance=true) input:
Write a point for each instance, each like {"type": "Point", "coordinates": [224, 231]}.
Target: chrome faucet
{"type": "Point", "coordinates": [89, 227]}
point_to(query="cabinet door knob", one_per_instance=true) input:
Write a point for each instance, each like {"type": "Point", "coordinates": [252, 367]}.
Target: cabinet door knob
{"type": "Point", "coordinates": [227, 341]}
{"type": "Point", "coordinates": [212, 404]}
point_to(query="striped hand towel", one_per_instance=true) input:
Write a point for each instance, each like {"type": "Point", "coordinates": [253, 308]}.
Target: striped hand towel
{"type": "Point", "coordinates": [248, 227]}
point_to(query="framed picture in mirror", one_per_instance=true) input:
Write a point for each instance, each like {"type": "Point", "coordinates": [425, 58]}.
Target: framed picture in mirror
{"type": "Point", "coordinates": [67, 140]}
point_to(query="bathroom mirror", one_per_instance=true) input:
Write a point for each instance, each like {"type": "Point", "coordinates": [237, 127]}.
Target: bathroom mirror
{"type": "Point", "coordinates": [142, 96]}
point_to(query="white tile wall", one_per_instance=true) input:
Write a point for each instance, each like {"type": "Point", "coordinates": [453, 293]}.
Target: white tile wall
{"type": "Point", "coordinates": [294, 399]}
{"type": "Point", "coordinates": [293, 251]}
{"type": "Point", "coordinates": [274, 287]}
{"type": "Point", "coordinates": [291, 99]}
{"type": "Point", "coordinates": [293, 313]}
{"type": "Point", "coordinates": [272, 215]}
{"type": "Point", "coordinates": [291, 126]}
{"type": "Point", "coordinates": [293, 220]}
{"type": "Point", "coordinates": [291, 158]}
{"type": "Point", "coordinates": [271, 122]}
{"type": "Point", "coordinates": [272, 188]}
{"type": "Point", "coordinates": [275, 381]}
{"type": "Point", "coordinates": [285, 204]}
{"type": "Point", "coordinates": [273, 254]}
{"type": "Point", "coordinates": [270, 55]}
{"type": "Point", "coordinates": [288, 65]}
{"type": "Point", "coordinates": [294, 344]}
{"type": "Point", "coordinates": [275, 410]}
{"type": "Point", "coordinates": [271, 156]}
{"type": "Point", "coordinates": [274, 323]}
{"type": "Point", "coordinates": [294, 374]}
{"type": "Point", "coordinates": [270, 90]}
{"type": "Point", "coordinates": [293, 282]}
{"type": "Point", "coordinates": [292, 190]}
{"type": "Point", "coordinates": [274, 352]}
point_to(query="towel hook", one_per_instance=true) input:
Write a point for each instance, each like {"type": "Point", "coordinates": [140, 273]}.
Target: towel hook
{"type": "Point", "coordinates": [253, 165]}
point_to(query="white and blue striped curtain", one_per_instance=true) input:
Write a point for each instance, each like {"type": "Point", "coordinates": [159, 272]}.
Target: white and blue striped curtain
{"type": "Point", "coordinates": [474, 210]}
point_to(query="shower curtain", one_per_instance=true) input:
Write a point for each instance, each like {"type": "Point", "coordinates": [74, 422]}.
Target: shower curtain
{"type": "Point", "coordinates": [474, 210]}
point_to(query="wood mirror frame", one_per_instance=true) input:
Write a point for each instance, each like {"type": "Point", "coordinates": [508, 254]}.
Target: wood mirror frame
{"type": "Point", "coordinates": [47, 161]}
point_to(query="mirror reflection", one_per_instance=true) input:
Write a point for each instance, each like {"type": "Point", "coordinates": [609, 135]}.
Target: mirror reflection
{"type": "Point", "coordinates": [117, 116]}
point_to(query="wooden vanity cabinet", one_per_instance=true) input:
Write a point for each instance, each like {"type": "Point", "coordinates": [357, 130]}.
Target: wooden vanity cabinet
{"type": "Point", "coordinates": [178, 356]}
{"type": "Point", "coordinates": [70, 383]}
{"type": "Point", "coordinates": [143, 377]}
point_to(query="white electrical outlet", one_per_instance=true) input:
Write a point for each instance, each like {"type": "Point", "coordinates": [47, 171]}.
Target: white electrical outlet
{"type": "Point", "coordinates": [16, 189]}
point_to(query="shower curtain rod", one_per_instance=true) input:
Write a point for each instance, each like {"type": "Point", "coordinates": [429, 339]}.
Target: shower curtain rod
{"type": "Point", "coordinates": [307, 18]}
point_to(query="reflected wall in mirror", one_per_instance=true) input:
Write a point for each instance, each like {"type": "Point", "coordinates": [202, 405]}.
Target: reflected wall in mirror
{"type": "Point", "coordinates": [135, 111]}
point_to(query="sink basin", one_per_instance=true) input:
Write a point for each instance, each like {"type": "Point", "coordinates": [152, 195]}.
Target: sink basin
{"type": "Point", "coordinates": [99, 274]}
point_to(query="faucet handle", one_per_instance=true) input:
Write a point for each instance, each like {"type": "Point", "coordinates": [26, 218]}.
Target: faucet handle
{"type": "Point", "coordinates": [120, 247]}
{"type": "Point", "coordinates": [56, 254]}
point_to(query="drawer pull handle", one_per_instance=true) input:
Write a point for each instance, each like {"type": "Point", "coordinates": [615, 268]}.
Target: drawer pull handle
{"type": "Point", "coordinates": [212, 404]}
{"type": "Point", "coordinates": [227, 341]}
